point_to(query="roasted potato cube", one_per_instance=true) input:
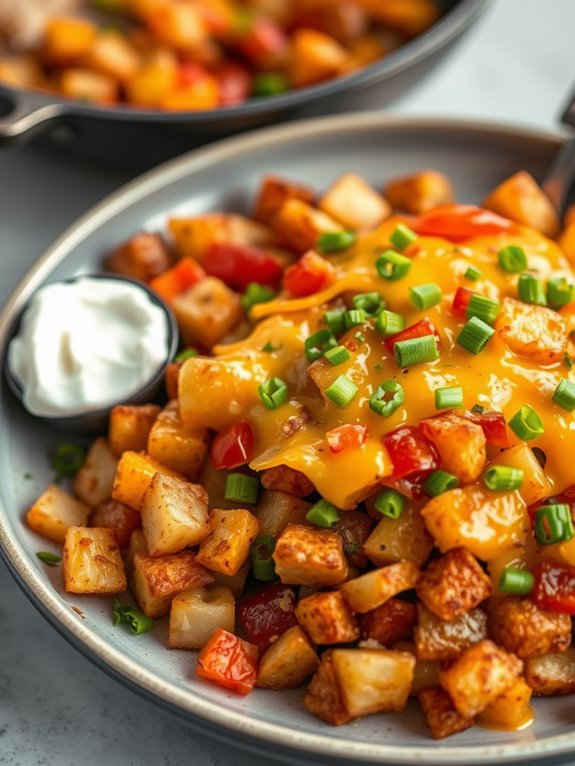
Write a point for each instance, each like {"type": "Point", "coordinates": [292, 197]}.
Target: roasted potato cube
{"type": "Point", "coordinates": [420, 192]}
{"type": "Point", "coordinates": [92, 562]}
{"type": "Point", "coordinates": [113, 54]}
{"type": "Point", "coordinates": [228, 545]}
{"type": "Point", "coordinates": [425, 674]}
{"type": "Point", "coordinates": [444, 640]}
{"type": "Point", "coordinates": [207, 312]}
{"type": "Point", "coordinates": [551, 674]}
{"type": "Point", "coordinates": [354, 528]}
{"type": "Point", "coordinates": [408, 17]}
{"type": "Point", "coordinates": [287, 662]}
{"type": "Point", "coordinates": [390, 622]}
{"type": "Point", "coordinates": [324, 696]}
{"type": "Point", "coordinates": [535, 332]}
{"type": "Point", "coordinates": [134, 473]}
{"type": "Point", "coordinates": [130, 427]}
{"type": "Point", "coordinates": [510, 710]}
{"type": "Point", "coordinates": [299, 225]}
{"type": "Point", "coordinates": [175, 445]}
{"type": "Point", "coordinates": [535, 485]}
{"type": "Point", "coordinates": [314, 57]}
{"type": "Point", "coordinates": [67, 39]}
{"type": "Point", "coordinates": [522, 199]}
{"type": "Point", "coordinates": [273, 193]}
{"type": "Point", "coordinates": [214, 482]}
{"type": "Point", "coordinates": [94, 481]}
{"type": "Point", "coordinates": [197, 613]}
{"type": "Point", "coordinates": [282, 478]}
{"type": "Point", "coordinates": [275, 510]}
{"type": "Point", "coordinates": [21, 71]}
{"type": "Point", "coordinates": [305, 556]}
{"type": "Point", "coordinates": [460, 443]}
{"type": "Point", "coordinates": [327, 619]}
{"type": "Point", "coordinates": [157, 580]}
{"type": "Point", "coordinates": [174, 515]}
{"type": "Point", "coordinates": [120, 518]}
{"type": "Point", "coordinates": [401, 539]}
{"type": "Point", "coordinates": [479, 676]}
{"type": "Point", "coordinates": [92, 86]}
{"type": "Point", "coordinates": [143, 257]}
{"type": "Point", "coordinates": [137, 544]}
{"type": "Point", "coordinates": [373, 589]}
{"type": "Point", "coordinates": [54, 511]}
{"type": "Point", "coordinates": [237, 582]}
{"type": "Point", "coordinates": [453, 584]}
{"type": "Point", "coordinates": [440, 714]}
{"type": "Point", "coordinates": [373, 680]}
{"type": "Point", "coordinates": [521, 627]}
{"type": "Point", "coordinates": [194, 237]}
{"type": "Point", "coordinates": [354, 203]}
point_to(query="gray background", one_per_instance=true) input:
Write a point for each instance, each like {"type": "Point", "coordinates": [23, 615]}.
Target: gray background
{"type": "Point", "coordinates": [516, 65]}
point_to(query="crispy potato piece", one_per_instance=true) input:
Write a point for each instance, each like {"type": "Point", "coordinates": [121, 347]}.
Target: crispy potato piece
{"type": "Point", "coordinates": [67, 39]}
{"type": "Point", "coordinates": [551, 674]}
{"type": "Point", "coordinates": [54, 511]}
{"type": "Point", "coordinates": [91, 562]}
{"type": "Point", "coordinates": [130, 427]}
{"type": "Point", "coordinates": [94, 481]}
{"type": "Point", "coordinates": [535, 332]}
{"type": "Point", "coordinates": [21, 71]}
{"type": "Point", "coordinates": [460, 443]}
{"type": "Point", "coordinates": [228, 545]}
{"type": "Point", "coordinates": [453, 584]}
{"type": "Point", "coordinates": [354, 203]}
{"type": "Point", "coordinates": [134, 473]}
{"type": "Point", "coordinates": [522, 199]}
{"type": "Point", "coordinates": [175, 445]}
{"type": "Point", "coordinates": [327, 618]}
{"type": "Point", "coordinates": [324, 696]}
{"type": "Point", "coordinates": [197, 613]}
{"type": "Point", "coordinates": [444, 640]}
{"type": "Point", "coordinates": [479, 676]}
{"type": "Point", "coordinates": [287, 662]}
{"type": "Point", "coordinates": [390, 622]}
{"type": "Point", "coordinates": [366, 592]}
{"type": "Point", "coordinates": [207, 312]}
{"type": "Point", "coordinates": [440, 714]}
{"type": "Point", "coordinates": [236, 583]}
{"type": "Point", "coordinates": [142, 257]}
{"type": "Point", "coordinates": [400, 539]}
{"type": "Point", "coordinates": [282, 478]}
{"type": "Point", "coordinates": [120, 518]}
{"type": "Point", "coordinates": [409, 17]}
{"type": "Point", "coordinates": [420, 192]}
{"type": "Point", "coordinates": [567, 241]}
{"type": "Point", "coordinates": [535, 485]}
{"type": "Point", "coordinates": [298, 225]}
{"type": "Point", "coordinates": [425, 674]}
{"type": "Point", "coordinates": [275, 510]}
{"type": "Point", "coordinates": [306, 556]}
{"type": "Point", "coordinates": [314, 57]}
{"type": "Point", "coordinates": [193, 237]}
{"type": "Point", "coordinates": [113, 54]}
{"type": "Point", "coordinates": [519, 626]}
{"type": "Point", "coordinates": [354, 528]}
{"type": "Point", "coordinates": [510, 710]}
{"type": "Point", "coordinates": [273, 193]}
{"type": "Point", "coordinates": [85, 84]}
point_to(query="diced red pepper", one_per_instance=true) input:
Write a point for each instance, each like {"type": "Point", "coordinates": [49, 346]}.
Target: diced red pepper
{"type": "Point", "coordinates": [179, 278]}
{"type": "Point", "coordinates": [346, 437]}
{"type": "Point", "coordinates": [411, 486]}
{"type": "Point", "coordinates": [418, 330]}
{"type": "Point", "coordinates": [235, 83]}
{"type": "Point", "coordinates": [309, 275]}
{"type": "Point", "coordinates": [494, 427]}
{"type": "Point", "coordinates": [459, 222]}
{"type": "Point", "coordinates": [409, 451]}
{"type": "Point", "coordinates": [233, 446]}
{"type": "Point", "coordinates": [238, 265]}
{"type": "Point", "coordinates": [461, 301]}
{"type": "Point", "coordinates": [189, 72]}
{"type": "Point", "coordinates": [554, 587]}
{"type": "Point", "coordinates": [267, 614]}
{"type": "Point", "coordinates": [229, 661]}
{"type": "Point", "coordinates": [263, 43]}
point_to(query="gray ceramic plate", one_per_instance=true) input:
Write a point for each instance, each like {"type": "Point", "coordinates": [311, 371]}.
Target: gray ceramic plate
{"type": "Point", "coordinates": [476, 157]}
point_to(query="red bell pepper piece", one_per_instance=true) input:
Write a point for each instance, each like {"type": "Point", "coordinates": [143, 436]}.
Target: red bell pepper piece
{"type": "Point", "coordinates": [411, 486]}
{"type": "Point", "coordinates": [409, 451]}
{"type": "Point", "coordinates": [346, 437]}
{"type": "Point", "coordinates": [235, 83]}
{"type": "Point", "coordinates": [267, 614]}
{"type": "Point", "coordinates": [554, 587]}
{"type": "Point", "coordinates": [189, 72]}
{"type": "Point", "coordinates": [494, 426]}
{"type": "Point", "coordinates": [229, 661]}
{"type": "Point", "coordinates": [309, 275]}
{"type": "Point", "coordinates": [418, 330]}
{"type": "Point", "coordinates": [459, 222]}
{"type": "Point", "coordinates": [177, 279]}
{"type": "Point", "coordinates": [461, 301]}
{"type": "Point", "coordinates": [233, 446]}
{"type": "Point", "coordinates": [238, 265]}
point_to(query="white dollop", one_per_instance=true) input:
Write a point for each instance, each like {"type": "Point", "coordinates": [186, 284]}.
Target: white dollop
{"type": "Point", "coordinates": [87, 344]}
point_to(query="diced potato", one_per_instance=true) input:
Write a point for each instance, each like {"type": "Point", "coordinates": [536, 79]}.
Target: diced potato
{"type": "Point", "coordinates": [154, 80]}
{"type": "Point", "coordinates": [521, 627]}
{"type": "Point", "coordinates": [324, 696]}
{"type": "Point", "coordinates": [54, 511]}
{"type": "Point", "coordinates": [535, 332]}
{"type": "Point", "coordinates": [535, 484]}
{"type": "Point", "coordinates": [440, 714]}
{"type": "Point", "coordinates": [425, 674]}
{"type": "Point", "coordinates": [287, 662]}
{"type": "Point", "coordinates": [453, 584]}
{"type": "Point", "coordinates": [134, 473]}
{"type": "Point", "coordinates": [282, 478]}
{"type": "Point", "coordinates": [194, 237]}
{"type": "Point", "coordinates": [157, 580]}
{"type": "Point", "coordinates": [327, 619]}
{"type": "Point", "coordinates": [92, 563]}
{"type": "Point", "coordinates": [21, 71]}
{"type": "Point", "coordinates": [175, 445]}
{"type": "Point", "coordinates": [94, 481]}
{"type": "Point", "coordinates": [142, 257]}
{"type": "Point", "coordinates": [420, 192]}
{"type": "Point", "coordinates": [522, 199]}
{"type": "Point", "coordinates": [86, 85]}
{"type": "Point", "coordinates": [390, 622]}
{"type": "Point", "coordinates": [400, 539]}
{"type": "Point", "coordinates": [305, 556]}
{"type": "Point", "coordinates": [299, 225]}
{"type": "Point", "coordinates": [373, 680]}
{"type": "Point", "coordinates": [368, 591]}
{"type": "Point", "coordinates": [174, 515]}
{"type": "Point", "coordinates": [273, 193]}
{"type": "Point", "coordinates": [178, 25]}
{"type": "Point", "coordinates": [314, 57]}
{"type": "Point", "coordinates": [551, 674]}
{"type": "Point", "coordinates": [114, 55]}
{"type": "Point", "coordinates": [479, 676]}
{"type": "Point", "coordinates": [409, 17]}
{"type": "Point", "coordinates": [275, 510]}
{"type": "Point", "coordinates": [511, 710]}
{"type": "Point", "coordinates": [130, 427]}
{"type": "Point", "coordinates": [444, 640]}
{"type": "Point", "coordinates": [120, 518]}
{"type": "Point", "coordinates": [237, 582]}
{"type": "Point", "coordinates": [354, 203]}
{"type": "Point", "coordinates": [207, 312]}
{"type": "Point", "coordinates": [460, 443]}
{"type": "Point", "coordinates": [567, 241]}
{"type": "Point", "coordinates": [228, 545]}
{"type": "Point", "coordinates": [67, 39]}
{"type": "Point", "coordinates": [137, 544]}
{"type": "Point", "coordinates": [197, 613]}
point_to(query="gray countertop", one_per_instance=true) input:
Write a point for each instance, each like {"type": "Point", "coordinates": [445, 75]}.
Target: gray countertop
{"type": "Point", "coordinates": [516, 64]}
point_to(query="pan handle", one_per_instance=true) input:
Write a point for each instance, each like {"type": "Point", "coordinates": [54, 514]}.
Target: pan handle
{"type": "Point", "coordinates": [25, 112]}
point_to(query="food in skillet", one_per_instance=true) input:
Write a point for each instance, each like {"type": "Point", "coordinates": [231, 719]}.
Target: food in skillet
{"type": "Point", "coordinates": [202, 54]}
{"type": "Point", "coordinates": [362, 474]}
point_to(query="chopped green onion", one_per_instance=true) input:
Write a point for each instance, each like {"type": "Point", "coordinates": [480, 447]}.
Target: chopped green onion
{"type": "Point", "coordinates": [564, 395]}
{"type": "Point", "coordinates": [269, 347]}
{"type": "Point", "coordinates": [503, 477]}
{"type": "Point", "coordinates": [269, 84]}
{"type": "Point", "coordinates": [353, 318]}
{"type": "Point", "coordinates": [416, 350]}
{"type": "Point", "coordinates": [133, 618]}
{"type": "Point", "coordinates": [187, 353]}
{"type": "Point", "coordinates": [516, 581]}
{"type": "Point", "coordinates": [49, 558]}
{"type": "Point", "coordinates": [526, 423]}
{"type": "Point", "coordinates": [318, 343]}
{"type": "Point", "coordinates": [337, 355]}
{"type": "Point", "coordinates": [371, 304]}
{"type": "Point", "coordinates": [388, 323]}
{"type": "Point", "coordinates": [390, 503]}
{"type": "Point", "coordinates": [402, 237]}
{"type": "Point", "coordinates": [360, 337]}
{"type": "Point", "coordinates": [387, 398]}
{"type": "Point", "coordinates": [68, 459]}
{"type": "Point", "coordinates": [425, 296]}
{"type": "Point", "coordinates": [448, 397]}
{"type": "Point", "coordinates": [472, 273]}
{"type": "Point", "coordinates": [475, 335]}
{"type": "Point", "coordinates": [241, 488]}
{"type": "Point", "coordinates": [323, 514]}
{"type": "Point", "coordinates": [531, 290]}
{"type": "Point", "coordinates": [512, 259]}
{"type": "Point", "coordinates": [568, 361]}
{"type": "Point", "coordinates": [335, 241]}
{"type": "Point", "coordinates": [263, 566]}
{"type": "Point", "coordinates": [273, 393]}
{"type": "Point", "coordinates": [553, 524]}
{"type": "Point", "coordinates": [334, 321]}
{"type": "Point", "coordinates": [342, 391]}
{"type": "Point", "coordinates": [256, 293]}
{"type": "Point", "coordinates": [439, 482]}
{"type": "Point", "coordinates": [483, 308]}
{"type": "Point", "coordinates": [559, 293]}
{"type": "Point", "coordinates": [393, 266]}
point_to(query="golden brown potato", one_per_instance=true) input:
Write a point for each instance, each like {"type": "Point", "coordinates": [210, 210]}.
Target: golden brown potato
{"type": "Point", "coordinates": [327, 619]}
{"type": "Point", "coordinates": [120, 518]}
{"type": "Point", "coordinates": [368, 591]}
{"type": "Point", "coordinates": [440, 714]}
{"type": "Point", "coordinates": [444, 640]}
{"type": "Point", "coordinates": [390, 622]}
{"type": "Point", "coordinates": [114, 55]}
{"type": "Point", "coordinates": [460, 443]}
{"type": "Point", "coordinates": [298, 225]}
{"type": "Point", "coordinates": [137, 544]}
{"type": "Point", "coordinates": [273, 193]}
{"type": "Point", "coordinates": [175, 445]}
{"type": "Point", "coordinates": [94, 481]}
{"type": "Point", "coordinates": [535, 332]}
{"type": "Point", "coordinates": [324, 697]}
{"type": "Point", "coordinates": [510, 710]}
{"type": "Point", "coordinates": [193, 237]}
{"type": "Point", "coordinates": [519, 626]}
{"type": "Point", "coordinates": [400, 539]}
{"type": "Point", "coordinates": [197, 613]}
{"type": "Point", "coordinates": [308, 556]}
{"type": "Point", "coordinates": [420, 192]}
{"type": "Point", "coordinates": [207, 312]}
{"type": "Point", "coordinates": [522, 199]}
{"type": "Point", "coordinates": [130, 427]}
{"type": "Point", "coordinates": [134, 474]}
{"type": "Point", "coordinates": [282, 478]}
{"type": "Point", "coordinates": [275, 510]}
{"type": "Point", "coordinates": [314, 57]}
{"type": "Point", "coordinates": [143, 257]}
{"type": "Point", "coordinates": [535, 485]}
{"type": "Point", "coordinates": [228, 545]}
{"type": "Point", "coordinates": [236, 583]}
{"type": "Point", "coordinates": [425, 674]}
{"type": "Point", "coordinates": [287, 662]}
{"type": "Point", "coordinates": [551, 674]}
{"type": "Point", "coordinates": [54, 511]}
{"type": "Point", "coordinates": [354, 203]}
{"type": "Point", "coordinates": [91, 562]}
{"type": "Point", "coordinates": [78, 83]}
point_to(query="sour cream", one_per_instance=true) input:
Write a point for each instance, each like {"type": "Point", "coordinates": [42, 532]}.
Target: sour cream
{"type": "Point", "coordinates": [87, 344]}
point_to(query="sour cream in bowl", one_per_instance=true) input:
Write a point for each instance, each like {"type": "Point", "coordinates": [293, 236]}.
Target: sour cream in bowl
{"type": "Point", "coordinates": [84, 345]}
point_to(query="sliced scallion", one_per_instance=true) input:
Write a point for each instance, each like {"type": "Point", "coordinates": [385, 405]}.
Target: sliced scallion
{"type": "Point", "coordinates": [483, 308]}
{"type": "Point", "coordinates": [518, 582]}
{"type": "Point", "coordinates": [342, 391]}
{"type": "Point", "coordinates": [503, 477]}
{"type": "Point", "coordinates": [439, 482]}
{"type": "Point", "coordinates": [393, 266]}
{"type": "Point", "coordinates": [448, 397]}
{"type": "Point", "coordinates": [273, 393]}
{"type": "Point", "coordinates": [390, 503]}
{"type": "Point", "coordinates": [564, 395]}
{"type": "Point", "coordinates": [387, 398]}
{"type": "Point", "coordinates": [512, 259]}
{"type": "Point", "coordinates": [425, 296]}
{"type": "Point", "coordinates": [318, 343]}
{"type": "Point", "coordinates": [388, 323]}
{"type": "Point", "coordinates": [416, 350]}
{"type": "Point", "coordinates": [323, 514]}
{"type": "Point", "coordinates": [337, 355]}
{"type": "Point", "coordinates": [531, 290]}
{"type": "Point", "coordinates": [241, 488]}
{"type": "Point", "coordinates": [526, 423]}
{"type": "Point", "coordinates": [402, 237]}
{"type": "Point", "coordinates": [475, 335]}
{"type": "Point", "coordinates": [335, 241]}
